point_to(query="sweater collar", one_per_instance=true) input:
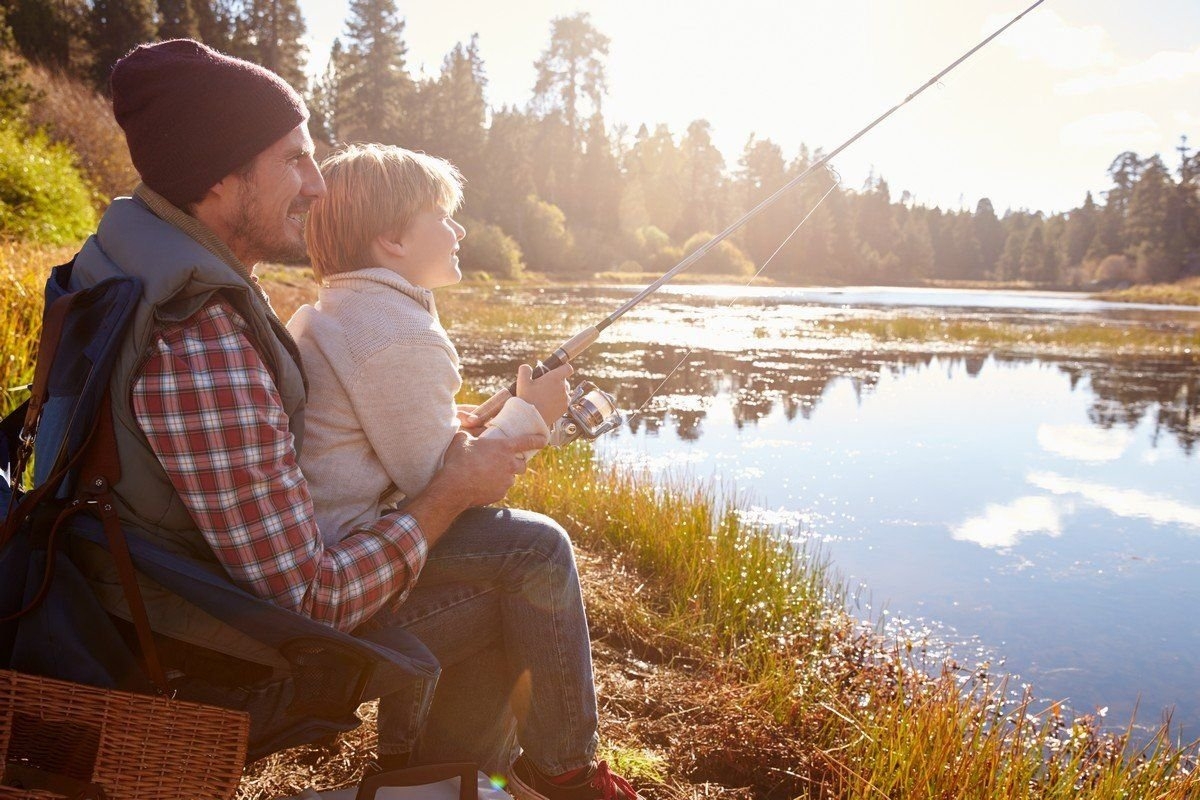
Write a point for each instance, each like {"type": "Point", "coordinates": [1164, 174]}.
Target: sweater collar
{"type": "Point", "coordinates": [380, 276]}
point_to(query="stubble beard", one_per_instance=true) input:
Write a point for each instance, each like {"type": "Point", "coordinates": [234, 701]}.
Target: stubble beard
{"type": "Point", "coordinates": [255, 234]}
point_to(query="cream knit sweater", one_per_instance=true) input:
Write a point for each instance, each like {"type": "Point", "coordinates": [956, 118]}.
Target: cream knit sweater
{"type": "Point", "coordinates": [382, 378]}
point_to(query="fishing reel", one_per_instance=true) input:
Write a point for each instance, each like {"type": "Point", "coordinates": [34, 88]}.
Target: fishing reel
{"type": "Point", "coordinates": [591, 412]}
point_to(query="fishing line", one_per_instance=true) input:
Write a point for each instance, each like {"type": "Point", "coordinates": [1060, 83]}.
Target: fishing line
{"type": "Point", "coordinates": [588, 336]}
{"type": "Point", "coordinates": [837, 181]}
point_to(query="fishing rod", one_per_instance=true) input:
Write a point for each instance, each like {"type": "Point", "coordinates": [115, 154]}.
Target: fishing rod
{"type": "Point", "coordinates": [591, 411]}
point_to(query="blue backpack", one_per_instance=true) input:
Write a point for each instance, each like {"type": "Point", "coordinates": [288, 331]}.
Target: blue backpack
{"type": "Point", "coordinates": [51, 623]}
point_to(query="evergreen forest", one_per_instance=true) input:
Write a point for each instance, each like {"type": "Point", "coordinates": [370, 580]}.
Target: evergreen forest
{"type": "Point", "coordinates": [556, 187]}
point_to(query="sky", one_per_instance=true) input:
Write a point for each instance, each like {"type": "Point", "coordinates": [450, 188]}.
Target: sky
{"type": "Point", "coordinates": [1031, 122]}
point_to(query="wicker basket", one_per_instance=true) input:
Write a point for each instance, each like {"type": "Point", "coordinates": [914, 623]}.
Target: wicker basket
{"type": "Point", "coordinates": [57, 736]}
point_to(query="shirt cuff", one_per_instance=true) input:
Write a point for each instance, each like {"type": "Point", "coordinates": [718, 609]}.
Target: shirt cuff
{"type": "Point", "coordinates": [406, 534]}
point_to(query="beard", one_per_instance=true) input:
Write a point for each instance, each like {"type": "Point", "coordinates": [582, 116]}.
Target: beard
{"type": "Point", "coordinates": [257, 230]}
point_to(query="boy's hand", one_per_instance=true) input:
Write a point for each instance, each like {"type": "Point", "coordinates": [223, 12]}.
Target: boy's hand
{"type": "Point", "coordinates": [548, 394]}
{"type": "Point", "coordinates": [467, 421]}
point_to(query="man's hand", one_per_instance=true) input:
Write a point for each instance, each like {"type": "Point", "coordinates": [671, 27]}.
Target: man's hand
{"type": "Point", "coordinates": [474, 472]}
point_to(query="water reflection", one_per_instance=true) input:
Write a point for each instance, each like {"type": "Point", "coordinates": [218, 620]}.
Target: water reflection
{"type": "Point", "coordinates": [1042, 508]}
{"type": "Point", "coordinates": [759, 381]}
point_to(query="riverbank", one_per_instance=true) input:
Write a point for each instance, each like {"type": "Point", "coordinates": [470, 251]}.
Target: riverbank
{"type": "Point", "coordinates": [1182, 293]}
{"type": "Point", "coordinates": [727, 666]}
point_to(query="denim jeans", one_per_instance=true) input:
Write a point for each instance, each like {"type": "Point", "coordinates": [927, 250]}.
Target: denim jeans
{"type": "Point", "coordinates": [499, 605]}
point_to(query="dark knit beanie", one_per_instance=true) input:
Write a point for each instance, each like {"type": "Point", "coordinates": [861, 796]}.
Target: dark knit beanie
{"type": "Point", "coordinates": [192, 115]}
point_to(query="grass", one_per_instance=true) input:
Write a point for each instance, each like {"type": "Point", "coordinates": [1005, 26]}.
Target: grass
{"type": "Point", "coordinates": [1116, 339]}
{"type": "Point", "coordinates": [1181, 293]}
{"type": "Point", "coordinates": [23, 273]}
{"type": "Point", "coordinates": [727, 661]}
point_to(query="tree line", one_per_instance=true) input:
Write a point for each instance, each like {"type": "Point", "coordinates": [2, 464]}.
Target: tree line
{"type": "Point", "coordinates": [557, 187]}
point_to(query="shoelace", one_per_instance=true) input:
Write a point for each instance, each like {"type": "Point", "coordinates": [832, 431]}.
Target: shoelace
{"type": "Point", "coordinates": [613, 786]}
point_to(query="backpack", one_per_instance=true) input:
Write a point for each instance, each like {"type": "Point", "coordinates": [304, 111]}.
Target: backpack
{"type": "Point", "coordinates": [52, 624]}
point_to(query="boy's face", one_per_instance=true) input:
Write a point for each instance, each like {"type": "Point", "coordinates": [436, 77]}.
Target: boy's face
{"type": "Point", "coordinates": [430, 246]}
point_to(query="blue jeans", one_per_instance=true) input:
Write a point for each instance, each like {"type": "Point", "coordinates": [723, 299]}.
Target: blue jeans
{"type": "Point", "coordinates": [499, 605]}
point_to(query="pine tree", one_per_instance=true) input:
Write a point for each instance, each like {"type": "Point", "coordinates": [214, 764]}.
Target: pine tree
{"type": "Point", "coordinates": [116, 27]}
{"type": "Point", "coordinates": [270, 33]}
{"type": "Point", "coordinates": [323, 99]}
{"type": "Point", "coordinates": [655, 169]}
{"type": "Point", "coordinates": [49, 31]}
{"type": "Point", "coordinates": [1080, 231]}
{"type": "Point", "coordinates": [508, 179]}
{"type": "Point", "coordinates": [177, 20]}
{"type": "Point", "coordinates": [374, 91]}
{"type": "Point", "coordinates": [702, 180]}
{"type": "Point", "coordinates": [216, 22]}
{"type": "Point", "coordinates": [989, 233]}
{"type": "Point", "coordinates": [761, 172]}
{"type": "Point", "coordinates": [453, 111]}
{"type": "Point", "coordinates": [571, 70]}
{"type": "Point", "coordinates": [600, 175]}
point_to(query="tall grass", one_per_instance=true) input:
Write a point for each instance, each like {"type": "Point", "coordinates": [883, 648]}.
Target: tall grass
{"type": "Point", "coordinates": [865, 719]}
{"type": "Point", "coordinates": [868, 719]}
{"type": "Point", "coordinates": [1181, 293]}
{"type": "Point", "coordinates": [1117, 339]}
{"type": "Point", "coordinates": [23, 272]}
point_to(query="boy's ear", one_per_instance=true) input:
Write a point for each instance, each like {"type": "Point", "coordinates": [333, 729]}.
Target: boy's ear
{"type": "Point", "coordinates": [391, 245]}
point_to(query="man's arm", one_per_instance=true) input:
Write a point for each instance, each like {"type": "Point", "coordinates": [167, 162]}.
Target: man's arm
{"type": "Point", "coordinates": [475, 472]}
{"type": "Point", "coordinates": [210, 410]}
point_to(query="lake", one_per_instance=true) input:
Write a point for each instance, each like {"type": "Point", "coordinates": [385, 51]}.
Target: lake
{"type": "Point", "coordinates": [1039, 514]}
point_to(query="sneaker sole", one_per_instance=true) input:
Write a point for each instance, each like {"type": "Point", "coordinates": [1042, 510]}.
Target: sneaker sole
{"type": "Point", "coordinates": [522, 791]}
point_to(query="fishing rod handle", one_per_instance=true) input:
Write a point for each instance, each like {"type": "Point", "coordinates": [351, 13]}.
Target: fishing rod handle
{"type": "Point", "coordinates": [562, 355]}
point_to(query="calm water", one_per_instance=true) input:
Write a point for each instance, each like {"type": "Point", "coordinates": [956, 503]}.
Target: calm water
{"type": "Point", "coordinates": [1040, 513]}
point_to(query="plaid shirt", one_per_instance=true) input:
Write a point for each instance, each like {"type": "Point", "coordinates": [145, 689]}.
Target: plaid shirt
{"type": "Point", "coordinates": [210, 409]}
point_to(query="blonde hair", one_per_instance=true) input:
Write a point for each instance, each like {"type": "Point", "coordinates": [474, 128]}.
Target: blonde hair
{"type": "Point", "coordinates": [371, 190]}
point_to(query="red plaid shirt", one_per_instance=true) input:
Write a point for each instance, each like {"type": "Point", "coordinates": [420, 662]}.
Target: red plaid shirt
{"type": "Point", "coordinates": [210, 409]}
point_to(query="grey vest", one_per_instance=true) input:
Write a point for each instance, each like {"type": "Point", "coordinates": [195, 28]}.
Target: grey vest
{"type": "Point", "coordinates": [180, 275]}
{"type": "Point", "coordinates": [183, 266]}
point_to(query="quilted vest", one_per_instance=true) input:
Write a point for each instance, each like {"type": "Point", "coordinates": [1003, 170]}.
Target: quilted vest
{"type": "Point", "coordinates": [183, 267]}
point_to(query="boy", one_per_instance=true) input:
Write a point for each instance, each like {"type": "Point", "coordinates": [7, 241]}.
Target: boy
{"type": "Point", "coordinates": [382, 379]}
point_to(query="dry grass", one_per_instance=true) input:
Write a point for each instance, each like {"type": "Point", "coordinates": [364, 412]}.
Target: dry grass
{"type": "Point", "coordinates": [1178, 341]}
{"type": "Point", "coordinates": [1181, 293]}
{"type": "Point", "coordinates": [73, 112]}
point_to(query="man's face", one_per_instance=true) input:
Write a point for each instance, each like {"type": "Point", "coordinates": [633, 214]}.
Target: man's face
{"type": "Point", "coordinates": [267, 218]}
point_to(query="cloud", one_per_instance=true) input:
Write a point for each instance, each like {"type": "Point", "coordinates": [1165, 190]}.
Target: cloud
{"type": "Point", "coordinates": [1000, 527]}
{"type": "Point", "coordinates": [1084, 442]}
{"type": "Point", "coordinates": [1133, 503]}
{"type": "Point", "coordinates": [1122, 130]}
{"type": "Point", "coordinates": [1167, 66]}
{"type": "Point", "coordinates": [1048, 38]}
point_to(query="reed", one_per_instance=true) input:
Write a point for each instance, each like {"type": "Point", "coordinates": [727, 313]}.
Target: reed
{"type": "Point", "coordinates": [1166, 340]}
{"type": "Point", "coordinates": [1181, 293]}
{"type": "Point", "coordinates": [23, 272]}
{"type": "Point", "coordinates": [765, 618]}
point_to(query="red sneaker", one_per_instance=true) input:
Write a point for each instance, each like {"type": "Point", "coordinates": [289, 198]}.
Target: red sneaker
{"type": "Point", "coordinates": [526, 782]}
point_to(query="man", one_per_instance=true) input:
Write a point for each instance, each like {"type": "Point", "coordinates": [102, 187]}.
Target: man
{"type": "Point", "coordinates": [208, 406]}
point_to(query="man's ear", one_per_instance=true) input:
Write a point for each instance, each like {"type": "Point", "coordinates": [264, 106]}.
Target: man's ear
{"type": "Point", "coordinates": [226, 186]}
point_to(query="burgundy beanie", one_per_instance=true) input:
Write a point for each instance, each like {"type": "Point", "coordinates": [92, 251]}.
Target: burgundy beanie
{"type": "Point", "coordinates": [192, 115]}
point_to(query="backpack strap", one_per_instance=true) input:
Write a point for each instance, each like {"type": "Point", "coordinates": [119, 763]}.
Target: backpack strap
{"type": "Point", "coordinates": [100, 470]}
{"type": "Point", "coordinates": [31, 412]}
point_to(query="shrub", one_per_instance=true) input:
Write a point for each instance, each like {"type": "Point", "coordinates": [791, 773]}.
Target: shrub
{"type": "Point", "coordinates": [724, 259]}
{"type": "Point", "coordinates": [544, 237]}
{"type": "Point", "coordinates": [74, 113]}
{"type": "Point", "coordinates": [487, 248]}
{"type": "Point", "coordinates": [43, 197]}
{"type": "Point", "coordinates": [650, 240]}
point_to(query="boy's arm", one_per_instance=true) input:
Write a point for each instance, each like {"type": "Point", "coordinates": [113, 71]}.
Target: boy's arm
{"type": "Point", "coordinates": [403, 399]}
